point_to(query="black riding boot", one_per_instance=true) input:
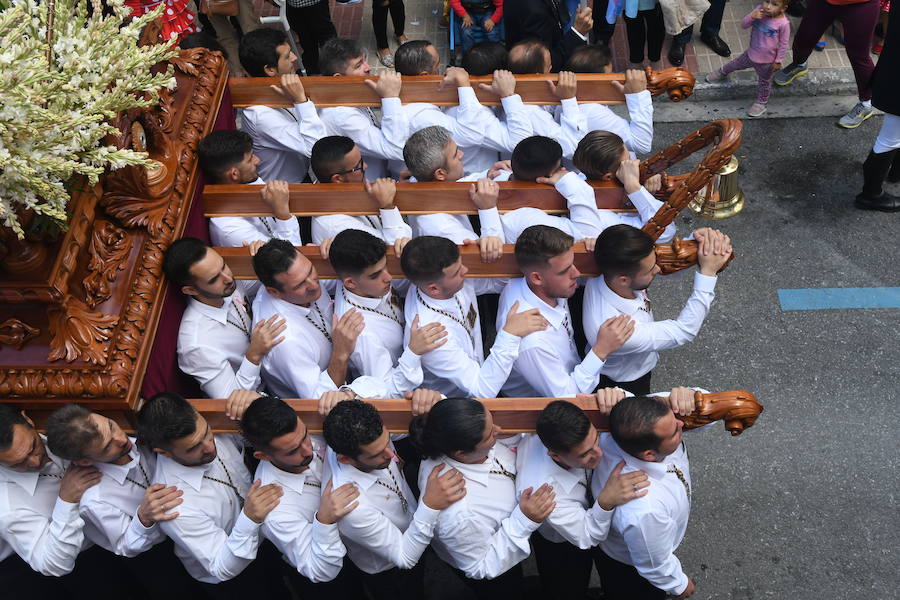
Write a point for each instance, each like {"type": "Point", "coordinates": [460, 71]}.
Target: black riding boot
{"type": "Point", "coordinates": [873, 196]}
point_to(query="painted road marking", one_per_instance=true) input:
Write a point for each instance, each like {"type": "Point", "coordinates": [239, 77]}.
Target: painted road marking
{"type": "Point", "coordinates": [838, 298]}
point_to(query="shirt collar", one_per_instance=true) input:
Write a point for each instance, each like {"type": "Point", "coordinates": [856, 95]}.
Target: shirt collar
{"type": "Point", "coordinates": [28, 481]}
{"type": "Point", "coordinates": [623, 305]}
{"type": "Point", "coordinates": [259, 181]}
{"type": "Point", "coordinates": [479, 473]}
{"type": "Point", "coordinates": [218, 314]}
{"type": "Point", "coordinates": [193, 476]}
{"type": "Point", "coordinates": [566, 478]}
{"type": "Point", "coordinates": [555, 315]}
{"type": "Point", "coordinates": [367, 302]}
{"type": "Point", "coordinates": [342, 473]}
{"type": "Point", "coordinates": [269, 473]}
{"type": "Point", "coordinates": [655, 470]}
{"type": "Point", "coordinates": [118, 473]}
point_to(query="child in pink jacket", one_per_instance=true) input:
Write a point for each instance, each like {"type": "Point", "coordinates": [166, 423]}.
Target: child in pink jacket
{"type": "Point", "coordinates": [769, 37]}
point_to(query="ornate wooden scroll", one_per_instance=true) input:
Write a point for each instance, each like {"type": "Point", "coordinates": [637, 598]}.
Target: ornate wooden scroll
{"type": "Point", "coordinates": [677, 82]}
{"type": "Point", "coordinates": [79, 327]}
{"type": "Point", "coordinates": [671, 258]}
{"type": "Point", "coordinates": [739, 409]}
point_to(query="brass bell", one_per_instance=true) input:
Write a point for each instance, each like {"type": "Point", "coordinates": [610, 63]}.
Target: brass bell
{"type": "Point", "coordinates": [722, 197]}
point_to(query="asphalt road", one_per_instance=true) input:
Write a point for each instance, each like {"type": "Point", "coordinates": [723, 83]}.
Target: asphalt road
{"type": "Point", "coordinates": [804, 504]}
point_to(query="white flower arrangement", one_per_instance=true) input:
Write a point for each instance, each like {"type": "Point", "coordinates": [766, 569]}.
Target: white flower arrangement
{"type": "Point", "coordinates": [56, 100]}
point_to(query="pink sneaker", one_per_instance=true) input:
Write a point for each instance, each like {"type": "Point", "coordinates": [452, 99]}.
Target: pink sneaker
{"type": "Point", "coordinates": [714, 76]}
{"type": "Point", "coordinates": [757, 110]}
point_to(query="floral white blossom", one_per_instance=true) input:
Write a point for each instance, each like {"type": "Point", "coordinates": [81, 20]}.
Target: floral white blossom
{"type": "Point", "coordinates": [54, 116]}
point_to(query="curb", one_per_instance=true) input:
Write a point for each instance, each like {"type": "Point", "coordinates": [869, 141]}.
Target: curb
{"type": "Point", "coordinates": [742, 85]}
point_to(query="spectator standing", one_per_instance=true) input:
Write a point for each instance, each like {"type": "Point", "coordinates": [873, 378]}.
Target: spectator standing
{"type": "Point", "coordinates": [647, 27]}
{"type": "Point", "coordinates": [228, 36]}
{"type": "Point", "coordinates": [311, 19]}
{"type": "Point", "coordinates": [858, 18]}
{"type": "Point", "coordinates": [479, 21]}
{"type": "Point", "coordinates": [709, 34]}
{"type": "Point", "coordinates": [546, 21]}
{"type": "Point", "coordinates": [380, 10]}
{"type": "Point", "coordinates": [770, 31]}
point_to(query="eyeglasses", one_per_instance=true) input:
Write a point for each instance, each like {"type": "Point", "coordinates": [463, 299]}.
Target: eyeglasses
{"type": "Point", "coordinates": [360, 166]}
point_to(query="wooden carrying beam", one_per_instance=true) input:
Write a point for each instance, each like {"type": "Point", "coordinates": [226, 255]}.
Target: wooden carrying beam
{"type": "Point", "coordinates": [677, 82]}
{"type": "Point", "coordinates": [419, 198]}
{"type": "Point", "coordinates": [738, 409]}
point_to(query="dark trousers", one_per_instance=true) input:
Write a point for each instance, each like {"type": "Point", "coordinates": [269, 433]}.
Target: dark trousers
{"type": "Point", "coordinates": [509, 585]}
{"type": "Point", "coordinates": [314, 27]}
{"type": "Point", "coordinates": [393, 584]}
{"type": "Point", "coordinates": [603, 31]}
{"type": "Point", "coordinates": [638, 387]}
{"type": "Point", "coordinates": [18, 580]}
{"type": "Point", "coordinates": [622, 582]}
{"type": "Point", "coordinates": [709, 25]}
{"type": "Point", "coordinates": [261, 579]}
{"type": "Point", "coordinates": [145, 569]}
{"type": "Point", "coordinates": [647, 27]}
{"type": "Point", "coordinates": [859, 27]}
{"type": "Point", "coordinates": [346, 586]}
{"type": "Point", "coordinates": [565, 569]}
{"type": "Point", "coordinates": [380, 9]}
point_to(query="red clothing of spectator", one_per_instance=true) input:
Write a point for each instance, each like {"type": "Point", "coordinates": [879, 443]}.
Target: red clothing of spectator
{"type": "Point", "coordinates": [457, 7]}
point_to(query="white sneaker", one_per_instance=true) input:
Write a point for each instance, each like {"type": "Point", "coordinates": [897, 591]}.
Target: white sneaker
{"type": "Point", "coordinates": [757, 110]}
{"type": "Point", "coordinates": [714, 76]}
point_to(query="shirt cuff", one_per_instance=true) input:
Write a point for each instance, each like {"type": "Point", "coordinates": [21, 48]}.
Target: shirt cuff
{"type": "Point", "coordinates": [679, 589]}
{"type": "Point", "coordinates": [390, 106]}
{"type": "Point", "coordinates": [64, 512]}
{"type": "Point", "coordinates": [306, 110]}
{"type": "Point", "coordinates": [244, 527]}
{"type": "Point", "coordinates": [467, 96]}
{"type": "Point", "coordinates": [704, 283]}
{"type": "Point", "coordinates": [592, 363]}
{"type": "Point", "coordinates": [520, 525]}
{"type": "Point", "coordinates": [409, 360]}
{"type": "Point", "coordinates": [138, 528]}
{"type": "Point", "coordinates": [248, 369]}
{"type": "Point", "coordinates": [569, 184]}
{"type": "Point", "coordinates": [639, 100]}
{"type": "Point", "coordinates": [568, 106]}
{"type": "Point", "coordinates": [287, 225]}
{"type": "Point", "coordinates": [325, 535]}
{"type": "Point", "coordinates": [643, 196]}
{"type": "Point", "coordinates": [426, 515]}
{"type": "Point", "coordinates": [579, 34]}
{"type": "Point", "coordinates": [390, 217]}
{"type": "Point", "coordinates": [511, 103]}
{"type": "Point", "coordinates": [506, 340]}
{"type": "Point", "coordinates": [491, 225]}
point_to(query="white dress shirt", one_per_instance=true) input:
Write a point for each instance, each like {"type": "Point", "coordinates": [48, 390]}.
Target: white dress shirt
{"type": "Point", "coordinates": [563, 122]}
{"type": "Point", "coordinates": [591, 221]}
{"type": "Point", "coordinates": [379, 533]}
{"type": "Point", "coordinates": [109, 509]}
{"type": "Point", "coordinates": [485, 533]}
{"type": "Point", "coordinates": [458, 228]}
{"type": "Point", "coordinates": [378, 143]}
{"type": "Point", "coordinates": [518, 220]}
{"type": "Point", "coordinates": [380, 351]}
{"type": "Point", "coordinates": [311, 547]}
{"type": "Point", "coordinates": [573, 520]}
{"type": "Point", "coordinates": [212, 342]}
{"type": "Point", "coordinates": [283, 139]}
{"type": "Point", "coordinates": [213, 537]}
{"type": "Point", "coordinates": [499, 134]}
{"type": "Point", "coordinates": [388, 226]}
{"type": "Point", "coordinates": [548, 365]}
{"type": "Point", "coordinates": [298, 366]}
{"type": "Point", "coordinates": [458, 368]}
{"type": "Point", "coordinates": [234, 231]}
{"type": "Point", "coordinates": [646, 531]}
{"type": "Point", "coordinates": [637, 134]}
{"type": "Point", "coordinates": [35, 523]}
{"type": "Point", "coordinates": [640, 353]}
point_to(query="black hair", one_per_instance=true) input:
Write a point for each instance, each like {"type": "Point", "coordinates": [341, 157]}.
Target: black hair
{"type": "Point", "coordinates": [535, 156]}
{"type": "Point", "coordinates": [70, 432]}
{"type": "Point", "coordinates": [336, 53]}
{"type": "Point", "coordinates": [588, 59]}
{"type": "Point", "coordinates": [180, 256]}
{"type": "Point", "coordinates": [484, 58]}
{"type": "Point", "coordinates": [529, 59]}
{"type": "Point", "coordinates": [452, 425]}
{"type": "Point", "coordinates": [327, 155]}
{"type": "Point", "coordinates": [275, 257]}
{"type": "Point", "coordinates": [266, 419]}
{"type": "Point", "coordinates": [598, 153]}
{"type": "Point", "coordinates": [412, 58]}
{"type": "Point", "coordinates": [621, 248]}
{"type": "Point", "coordinates": [425, 257]}
{"type": "Point", "coordinates": [165, 418]}
{"type": "Point", "coordinates": [354, 250]}
{"type": "Point", "coordinates": [9, 418]}
{"type": "Point", "coordinates": [537, 244]}
{"type": "Point", "coordinates": [221, 150]}
{"type": "Point", "coordinates": [562, 426]}
{"type": "Point", "coordinates": [632, 422]}
{"type": "Point", "coordinates": [350, 425]}
{"type": "Point", "coordinates": [200, 39]}
{"type": "Point", "coordinates": [258, 50]}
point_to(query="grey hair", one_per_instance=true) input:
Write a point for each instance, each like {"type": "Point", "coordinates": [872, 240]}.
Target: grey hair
{"type": "Point", "coordinates": [424, 152]}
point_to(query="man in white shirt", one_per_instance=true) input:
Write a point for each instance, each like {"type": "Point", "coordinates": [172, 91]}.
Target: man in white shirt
{"type": "Point", "coordinates": [626, 258]}
{"type": "Point", "coordinates": [282, 137]}
{"type": "Point", "coordinates": [388, 532]}
{"type": "Point", "coordinates": [304, 524]}
{"type": "Point", "coordinates": [337, 159]}
{"type": "Point", "coordinates": [315, 353]}
{"type": "Point", "coordinates": [218, 343]}
{"type": "Point", "coordinates": [122, 511]}
{"type": "Point", "coordinates": [602, 156]}
{"type": "Point", "coordinates": [360, 260]}
{"type": "Point", "coordinates": [216, 533]}
{"type": "Point", "coordinates": [381, 139]}
{"type": "Point", "coordinates": [548, 364]}
{"type": "Point", "coordinates": [226, 157]}
{"type": "Point", "coordinates": [432, 155]}
{"type": "Point", "coordinates": [41, 530]}
{"type": "Point", "coordinates": [637, 559]}
{"type": "Point", "coordinates": [440, 292]}
{"type": "Point", "coordinates": [564, 453]}
{"type": "Point", "coordinates": [637, 133]}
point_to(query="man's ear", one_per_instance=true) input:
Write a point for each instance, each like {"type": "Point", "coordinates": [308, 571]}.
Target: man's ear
{"type": "Point", "coordinates": [348, 283]}
{"type": "Point", "coordinates": [344, 460]}
{"type": "Point", "coordinates": [274, 292]}
{"type": "Point", "coordinates": [83, 462]}
{"type": "Point", "coordinates": [554, 455]}
{"type": "Point", "coordinates": [534, 278]}
{"type": "Point", "coordinates": [162, 452]}
{"type": "Point", "coordinates": [270, 71]}
{"type": "Point", "coordinates": [337, 178]}
{"type": "Point", "coordinates": [24, 416]}
{"type": "Point", "coordinates": [647, 455]}
{"type": "Point", "coordinates": [608, 177]}
{"type": "Point", "coordinates": [189, 290]}
{"type": "Point", "coordinates": [232, 175]}
{"type": "Point", "coordinates": [440, 174]}
{"type": "Point", "coordinates": [260, 455]}
{"type": "Point", "coordinates": [607, 68]}
{"type": "Point", "coordinates": [432, 289]}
